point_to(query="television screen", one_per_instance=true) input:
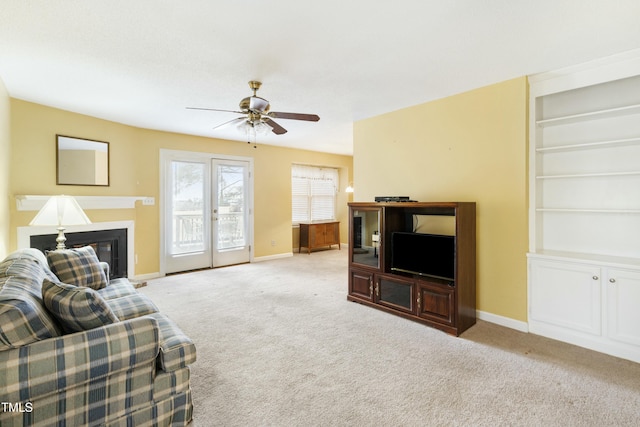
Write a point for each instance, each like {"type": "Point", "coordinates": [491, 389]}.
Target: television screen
{"type": "Point", "coordinates": [423, 254]}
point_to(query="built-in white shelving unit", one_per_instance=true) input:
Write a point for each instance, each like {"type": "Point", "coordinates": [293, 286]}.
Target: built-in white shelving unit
{"type": "Point", "coordinates": [584, 186]}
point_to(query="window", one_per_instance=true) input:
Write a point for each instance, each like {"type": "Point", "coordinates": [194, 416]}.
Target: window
{"type": "Point", "coordinates": [313, 193]}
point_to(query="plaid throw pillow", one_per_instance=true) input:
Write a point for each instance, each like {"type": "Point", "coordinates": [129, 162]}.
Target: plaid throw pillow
{"type": "Point", "coordinates": [79, 267]}
{"type": "Point", "coordinates": [76, 308]}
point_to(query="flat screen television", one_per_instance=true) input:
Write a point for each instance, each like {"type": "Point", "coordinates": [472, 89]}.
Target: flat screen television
{"type": "Point", "coordinates": [428, 255]}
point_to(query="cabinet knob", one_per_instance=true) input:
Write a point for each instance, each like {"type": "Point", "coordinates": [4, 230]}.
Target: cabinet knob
{"type": "Point", "coordinates": [595, 278]}
{"type": "Point", "coordinates": [612, 280]}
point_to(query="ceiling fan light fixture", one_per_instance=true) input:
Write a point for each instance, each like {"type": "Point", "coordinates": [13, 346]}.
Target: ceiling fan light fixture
{"type": "Point", "coordinates": [252, 128]}
{"type": "Point", "coordinates": [262, 128]}
{"type": "Point", "coordinates": [244, 126]}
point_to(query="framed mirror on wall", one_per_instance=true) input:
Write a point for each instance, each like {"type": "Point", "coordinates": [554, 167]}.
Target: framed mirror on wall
{"type": "Point", "coordinates": [81, 161]}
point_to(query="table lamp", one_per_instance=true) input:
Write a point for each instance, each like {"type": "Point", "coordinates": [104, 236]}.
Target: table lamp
{"type": "Point", "coordinates": [61, 211]}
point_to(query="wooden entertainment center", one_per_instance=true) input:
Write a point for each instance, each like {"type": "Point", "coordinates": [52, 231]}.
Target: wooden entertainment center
{"type": "Point", "coordinates": [445, 303]}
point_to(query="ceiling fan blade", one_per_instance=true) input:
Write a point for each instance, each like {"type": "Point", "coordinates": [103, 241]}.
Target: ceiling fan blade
{"type": "Point", "coordinates": [214, 109]}
{"type": "Point", "coordinates": [236, 120]}
{"type": "Point", "coordinates": [276, 128]}
{"type": "Point", "coordinates": [294, 116]}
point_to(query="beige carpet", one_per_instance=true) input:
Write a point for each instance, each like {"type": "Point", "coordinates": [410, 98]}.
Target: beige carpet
{"type": "Point", "coordinates": [279, 345]}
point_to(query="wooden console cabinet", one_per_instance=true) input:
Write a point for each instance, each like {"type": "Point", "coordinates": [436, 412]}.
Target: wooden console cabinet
{"type": "Point", "coordinates": [445, 304]}
{"type": "Point", "coordinates": [319, 234]}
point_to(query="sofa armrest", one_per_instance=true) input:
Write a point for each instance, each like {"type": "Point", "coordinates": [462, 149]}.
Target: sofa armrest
{"type": "Point", "coordinates": [55, 364]}
{"type": "Point", "coordinates": [177, 350]}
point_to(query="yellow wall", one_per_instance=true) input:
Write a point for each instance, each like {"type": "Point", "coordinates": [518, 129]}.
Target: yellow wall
{"type": "Point", "coordinates": [134, 171]}
{"type": "Point", "coordinates": [467, 147]}
{"type": "Point", "coordinates": [5, 157]}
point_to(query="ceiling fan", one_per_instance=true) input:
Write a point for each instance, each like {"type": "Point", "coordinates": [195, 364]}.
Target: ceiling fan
{"type": "Point", "coordinates": [257, 115]}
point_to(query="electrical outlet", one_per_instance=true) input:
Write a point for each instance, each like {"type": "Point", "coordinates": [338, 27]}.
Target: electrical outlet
{"type": "Point", "coordinates": [273, 243]}
{"type": "Point", "coordinates": [149, 201]}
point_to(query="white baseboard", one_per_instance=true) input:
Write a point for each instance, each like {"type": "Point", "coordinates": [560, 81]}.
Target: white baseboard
{"type": "Point", "coordinates": [503, 321]}
{"type": "Point", "coordinates": [270, 257]}
{"type": "Point", "coordinates": [147, 276]}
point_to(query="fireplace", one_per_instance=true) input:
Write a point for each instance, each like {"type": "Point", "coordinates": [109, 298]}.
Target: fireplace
{"type": "Point", "coordinates": [109, 245]}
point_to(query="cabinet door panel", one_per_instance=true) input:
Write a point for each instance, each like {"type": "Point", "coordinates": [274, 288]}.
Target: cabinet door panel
{"type": "Point", "coordinates": [436, 302]}
{"type": "Point", "coordinates": [566, 294]}
{"type": "Point", "coordinates": [395, 293]}
{"type": "Point", "coordinates": [333, 233]}
{"type": "Point", "coordinates": [304, 237]}
{"type": "Point", "coordinates": [317, 235]}
{"type": "Point", "coordinates": [364, 227]}
{"type": "Point", "coordinates": [623, 296]}
{"type": "Point", "coordinates": [361, 285]}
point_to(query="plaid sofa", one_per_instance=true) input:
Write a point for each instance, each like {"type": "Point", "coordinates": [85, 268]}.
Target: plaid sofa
{"type": "Point", "coordinates": [132, 371]}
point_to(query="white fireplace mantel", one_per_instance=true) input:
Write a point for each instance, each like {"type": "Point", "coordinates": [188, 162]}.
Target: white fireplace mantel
{"type": "Point", "coordinates": [36, 202]}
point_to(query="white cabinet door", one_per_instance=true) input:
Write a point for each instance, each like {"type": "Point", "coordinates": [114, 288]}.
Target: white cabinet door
{"type": "Point", "coordinates": [623, 306]}
{"type": "Point", "coordinates": [566, 295]}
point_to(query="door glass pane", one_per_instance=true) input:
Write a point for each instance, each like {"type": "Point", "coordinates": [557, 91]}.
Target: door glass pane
{"type": "Point", "coordinates": [188, 205]}
{"type": "Point", "coordinates": [231, 202]}
{"type": "Point", "coordinates": [395, 293]}
{"type": "Point", "coordinates": [366, 237]}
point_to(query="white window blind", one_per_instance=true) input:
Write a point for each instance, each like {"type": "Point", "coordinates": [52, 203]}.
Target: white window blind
{"type": "Point", "coordinates": [313, 193]}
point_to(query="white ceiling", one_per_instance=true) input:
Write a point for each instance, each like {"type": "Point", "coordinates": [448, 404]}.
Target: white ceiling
{"type": "Point", "coordinates": [142, 62]}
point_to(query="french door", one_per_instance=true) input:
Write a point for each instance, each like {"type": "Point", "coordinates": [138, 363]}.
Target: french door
{"type": "Point", "coordinates": [207, 214]}
{"type": "Point", "coordinates": [230, 212]}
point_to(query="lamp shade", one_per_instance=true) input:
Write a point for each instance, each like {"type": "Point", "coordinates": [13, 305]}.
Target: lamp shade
{"type": "Point", "coordinates": [61, 210]}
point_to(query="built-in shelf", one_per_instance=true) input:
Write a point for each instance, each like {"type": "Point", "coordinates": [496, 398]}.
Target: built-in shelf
{"type": "Point", "coordinates": [584, 178]}
{"type": "Point", "coordinates": [591, 115]}
{"type": "Point", "coordinates": [36, 202]}
{"type": "Point", "coordinates": [605, 211]}
{"type": "Point", "coordinates": [587, 258]}
{"type": "Point", "coordinates": [587, 145]}
{"type": "Point", "coordinates": [588, 175]}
